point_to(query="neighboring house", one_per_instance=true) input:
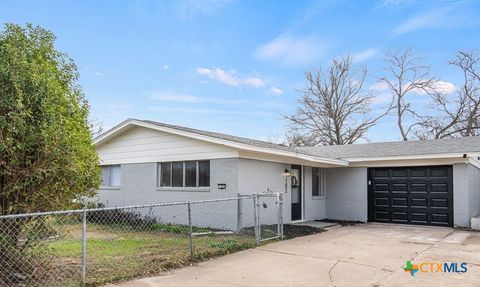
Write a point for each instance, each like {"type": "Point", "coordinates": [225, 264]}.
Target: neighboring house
{"type": "Point", "coordinates": [434, 182]}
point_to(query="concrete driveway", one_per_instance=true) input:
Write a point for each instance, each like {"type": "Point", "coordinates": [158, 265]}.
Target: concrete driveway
{"type": "Point", "coordinates": [360, 255]}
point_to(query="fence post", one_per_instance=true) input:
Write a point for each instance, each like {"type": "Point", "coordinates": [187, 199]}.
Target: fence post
{"type": "Point", "coordinates": [255, 221]}
{"type": "Point", "coordinates": [84, 246]}
{"type": "Point", "coordinates": [259, 224]}
{"type": "Point", "coordinates": [190, 229]}
{"type": "Point", "coordinates": [239, 212]}
{"type": "Point", "coordinates": [280, 215]}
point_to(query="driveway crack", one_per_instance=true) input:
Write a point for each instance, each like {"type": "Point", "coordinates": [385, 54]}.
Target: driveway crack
{"type": "Point", "coordinates": [330, 272]}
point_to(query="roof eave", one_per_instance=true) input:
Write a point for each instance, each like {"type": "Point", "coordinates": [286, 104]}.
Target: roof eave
{"type": "Point", "coordinates": [408, 157]}
{"type": "Point", "coordinates": [125, 124]}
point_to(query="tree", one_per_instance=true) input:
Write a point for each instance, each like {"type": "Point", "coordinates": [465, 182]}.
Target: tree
{"type": "Point", "coordinates": [47, 157]}
{"type": "Point", "coordinates": [457, 115]}
{"type": "Point", "coordinates": [334, 108]}
{"type": "Point", "coordinates": [406, 76]}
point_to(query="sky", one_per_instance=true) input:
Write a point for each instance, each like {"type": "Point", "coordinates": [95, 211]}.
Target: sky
{"type": "Point", "coordinates": [237, 66]}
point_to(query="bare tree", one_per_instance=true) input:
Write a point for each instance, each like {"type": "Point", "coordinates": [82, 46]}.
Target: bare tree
{"type": "Point", "coordinates": [458, 116]}
{"type": "Point", "coordinates": [406, 76]}
{"type": "Point", "coordinates": [334, 108]}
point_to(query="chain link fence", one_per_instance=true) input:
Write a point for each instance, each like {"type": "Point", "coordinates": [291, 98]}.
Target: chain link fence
{"type": "Point", "coordinates": [101, 245]}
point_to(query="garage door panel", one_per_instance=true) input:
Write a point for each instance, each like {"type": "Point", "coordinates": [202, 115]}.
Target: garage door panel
{"type": "Point", "coordinates": [439, 203]}
{"type": "Point", "coordinates": [381, 172]}
{"type": "Point", "coordinates": [411, 195]}
{"type": "Point", "coordinates": [399, 187]}
{"type": "Point", "coordinates": [381, 202]}
{"type": "Point", "coordinates": [382, 216]}
{"type": "Point", "coordinates": [400, 172]}
{"type": "Point", "coordinates": [440, 219]}
{"type": "Point", "coordinates": [419, 217]}
{"type": "Point", "coordinates": [418, 173]}
{"type": "Point", "coordinates": [381, 187]}
{"type": "Point", "coordinates": [440, 187]}
{"type": "Point", "coordinates": [439, 172]}
{"type": "Point", "coordinates": [419, 202]}
{"type": "Point", "coordinates": [399, 202]}
{"type": "Point", "coordinates": [418, 187]}
{"type": "Point", "coordinates": [400, 217]}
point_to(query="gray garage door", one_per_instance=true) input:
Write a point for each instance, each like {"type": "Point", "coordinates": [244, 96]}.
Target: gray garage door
{"type": "Point", "coordinates": [411, 195]}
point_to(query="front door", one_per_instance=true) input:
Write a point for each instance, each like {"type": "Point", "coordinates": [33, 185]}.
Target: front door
{"type": "Point", "coordinates": [296, 185]}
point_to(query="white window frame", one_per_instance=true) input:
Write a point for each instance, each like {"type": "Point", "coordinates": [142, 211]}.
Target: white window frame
{"type": "Point", "coordinates": [110, 186]}
{"type": "Point", "coordinates": [181, 188]}
{"type": "Point", "coordinates": [323, 184]}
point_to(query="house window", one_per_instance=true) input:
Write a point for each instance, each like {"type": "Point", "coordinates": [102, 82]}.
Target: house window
{"type": "Point", "coordinates": [111, 175]}
{"type": "Point", "coordinates": [204, 173]}
{"type": "Point", "coordinates": [318, 182]}
{"type": "Point", "coordinates": [184, 174]}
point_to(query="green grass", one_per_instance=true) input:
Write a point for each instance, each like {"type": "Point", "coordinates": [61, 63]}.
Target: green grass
{"type": "Point", "coordinates": [116, 253]}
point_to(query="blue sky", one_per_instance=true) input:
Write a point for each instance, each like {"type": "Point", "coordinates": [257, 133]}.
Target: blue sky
{"type": "Point", "coordinates": [236, 66]}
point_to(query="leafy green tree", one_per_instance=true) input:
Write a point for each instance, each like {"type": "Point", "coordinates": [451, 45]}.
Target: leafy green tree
{"type": "Point", "coordinates": [47, 156]}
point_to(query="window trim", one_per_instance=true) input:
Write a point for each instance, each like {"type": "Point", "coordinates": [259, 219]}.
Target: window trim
{"type": "Point", "coordinates": [196, 188]}
{"type": "Point", "coordinates": [111, 187]}
{"type": "Point", "coordinates": [322, 192]}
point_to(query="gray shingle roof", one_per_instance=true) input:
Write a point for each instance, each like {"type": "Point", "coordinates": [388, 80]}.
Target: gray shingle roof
{"type": "Point", "coordinates": [440, 146]}
{"type": "Point", "coordinates": [242, 140]}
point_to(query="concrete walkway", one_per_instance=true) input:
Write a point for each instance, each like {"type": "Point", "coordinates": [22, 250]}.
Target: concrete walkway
{"type": "Point", "coordinates": [360, 255]}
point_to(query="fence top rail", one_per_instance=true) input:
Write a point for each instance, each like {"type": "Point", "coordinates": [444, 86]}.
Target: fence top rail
{"type": "Point", "coordinates": [77, 211]}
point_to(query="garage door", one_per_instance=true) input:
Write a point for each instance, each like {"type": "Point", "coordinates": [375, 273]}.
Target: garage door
{"type": "Point", "coordinates": [411, 195]}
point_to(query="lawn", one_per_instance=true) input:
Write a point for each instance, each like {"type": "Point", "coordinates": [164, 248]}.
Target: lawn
{"type": "Point", "coordinates": [117, 253]}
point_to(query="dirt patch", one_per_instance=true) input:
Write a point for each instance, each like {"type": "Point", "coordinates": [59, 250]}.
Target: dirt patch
{"type": "Point", "coordinates": [292, 231]}
{"type": "Point", "coordinates": [342, 222]}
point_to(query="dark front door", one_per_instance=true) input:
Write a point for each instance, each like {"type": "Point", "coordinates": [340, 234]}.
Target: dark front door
{"type": "Point", "coordinates": [411, 195]}
{"type": "Point", "coordinates": [296, 194]}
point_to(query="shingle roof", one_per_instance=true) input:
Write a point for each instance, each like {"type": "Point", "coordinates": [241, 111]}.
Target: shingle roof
{"type": "Point", "coordinates": [381, 149]}
{"type": "Point", "coordinates": [243, 140]}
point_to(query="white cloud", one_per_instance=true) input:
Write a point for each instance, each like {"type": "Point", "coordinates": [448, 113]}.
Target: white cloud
{"type": "Point", "coordinates": [166, 67]}
{"type": "Point", "coordinates": [443, 87]}
{"type": "Point", "coordinates": [230, 77]}
{"type": "Point", "coordinates": [220, 75]}
{"type": "Point", "coordinates": [99, 74]}
{"type": "Point", "coordinates": [292, 51]}
{"type": "Point", "coordinates": [364, 55]}
{"type": "Point", "coordinates": [379, 86]}
{"type": "Point", "coordinates": [275, 91]}
{"type": "Point", "coordinates": [254, 82]}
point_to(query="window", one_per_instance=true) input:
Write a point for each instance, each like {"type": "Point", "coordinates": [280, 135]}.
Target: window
{"type": "Point", "coordinates": [191, 173]}
{"type": "Point", "coordinates": [177, 174]}
{"type": "Point", "coordinates": [111, 175]}
{"type": "Point", "coordinates": [184, 174]}
{"type": "Point", "coordinates": [204, 173]}
{"type": "Point", "coordinates": [166, 174]}
{"type": "Point", "coordinates": [318, 182]}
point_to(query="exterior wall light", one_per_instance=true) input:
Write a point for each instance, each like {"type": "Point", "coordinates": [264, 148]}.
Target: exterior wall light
{"type": "Point", "coordinates": [287, 174]}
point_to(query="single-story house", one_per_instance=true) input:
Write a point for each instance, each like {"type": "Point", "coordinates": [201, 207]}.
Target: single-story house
{"type": "Point", "coordinates": [434, 182]}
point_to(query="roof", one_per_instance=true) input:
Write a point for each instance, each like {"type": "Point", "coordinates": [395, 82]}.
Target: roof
{"type": "Point", "coordinates": [463, 145]}
{"type": "Point", "coordinates": [219, 138]}
{"type": "Point", "coordinates": [339, 154]}
{"type": "Point", "coordinates": [228, 137]}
